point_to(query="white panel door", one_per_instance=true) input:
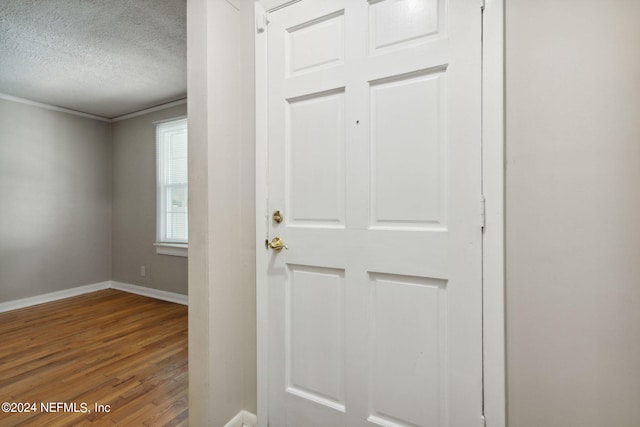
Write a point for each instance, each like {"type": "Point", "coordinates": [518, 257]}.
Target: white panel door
{"type": "Point", "coordinates": [374, 161]}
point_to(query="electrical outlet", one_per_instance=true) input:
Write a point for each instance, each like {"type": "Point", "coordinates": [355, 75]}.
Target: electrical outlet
{"type": "Point", "coordinates": [143, 270]}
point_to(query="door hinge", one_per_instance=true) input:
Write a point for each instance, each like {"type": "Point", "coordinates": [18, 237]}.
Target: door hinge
{"type": "Point", "coordinates": [261, 22]}
{"type": "Point", "coordinates": [483, 211]}
{"type": "Point", "coordinates": [483, 421]}
{"type": "Point", "coordinates": [482, 4]}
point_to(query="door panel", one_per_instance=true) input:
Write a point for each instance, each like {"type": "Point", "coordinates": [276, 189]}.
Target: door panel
{"type": "Point", "coordinates": [315, 308]}
{"type": "Point", "coordinates": [406, 151]}
{"type": "Point", "coordinates": [316, 44]}
{"type": "Point", "coordinates": [374, 160]}
{"type": "Point", "coordinates": [408, 349]}
{"type": "Point", "coordinates": [315, 152]}
{"type": "Point", "coordinates": [393, 24]}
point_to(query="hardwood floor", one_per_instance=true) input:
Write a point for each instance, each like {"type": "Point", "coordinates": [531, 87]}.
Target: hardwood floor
{"type": "Point", "coordinates": [107, 348]}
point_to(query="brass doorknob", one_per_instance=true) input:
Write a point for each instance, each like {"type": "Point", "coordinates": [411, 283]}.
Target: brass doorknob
{"type": "Point", "coordinates": [277, 244]}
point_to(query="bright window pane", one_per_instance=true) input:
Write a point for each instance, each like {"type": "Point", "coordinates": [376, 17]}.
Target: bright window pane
{"type": "Point", "coordinates": [177, 226]}
{"type": "Point", "coordinates": [173, 190]}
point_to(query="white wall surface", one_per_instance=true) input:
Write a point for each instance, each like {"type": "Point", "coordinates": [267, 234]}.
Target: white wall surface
{"type": "Point", "coordinates": [55, 201]}
{"type": "Point", "coordinates": [221, 211]}
{"type": "Point", "coordinates": [573, 210]}
{"type": "Point", "coordinates": [573, 199]}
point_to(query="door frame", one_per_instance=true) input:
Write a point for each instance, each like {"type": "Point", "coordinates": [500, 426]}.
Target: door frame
{"type": "Point", "coordinates": [493, 180]}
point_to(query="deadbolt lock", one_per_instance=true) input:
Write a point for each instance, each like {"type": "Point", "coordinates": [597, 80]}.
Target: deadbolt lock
{"type": "Point", "coordinates": [277, 217]}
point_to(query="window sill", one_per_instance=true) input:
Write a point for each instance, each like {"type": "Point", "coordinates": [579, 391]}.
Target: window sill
{"type": "Point", "coordinates": [173, 249]}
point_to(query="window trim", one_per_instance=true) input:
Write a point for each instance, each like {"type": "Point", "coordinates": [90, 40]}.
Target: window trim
{"type": "Point", "coordinates": [165, 246]}
{"type": "Point", "coordinates": [173, 249]}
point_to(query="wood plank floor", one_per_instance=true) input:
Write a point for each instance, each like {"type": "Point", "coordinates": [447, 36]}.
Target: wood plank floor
{"type": "Point", "coordinates": [109, 348]}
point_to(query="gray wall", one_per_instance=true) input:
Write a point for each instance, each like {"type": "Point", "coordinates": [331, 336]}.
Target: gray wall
{"type": "Point", "coordinates": [55, 195]}
{"type": "Point", "coordinates": [134, 206]}
{"type": "Point", "coordinates": [573, 213]}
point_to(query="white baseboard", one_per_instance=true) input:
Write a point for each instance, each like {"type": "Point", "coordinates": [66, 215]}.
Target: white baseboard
{"type": "Point", "coordinates": [110, 284]}
{"type": "Point", "coordinates": [150, 292]}
{"type": "Point", "coordinates": [235, 421]}
{"type": "Point", "coordinates": [243, 419]}
{"type": "Point", "coordinates": [53, 296]}
{"type": "Point", "coordinates": [249, 419]}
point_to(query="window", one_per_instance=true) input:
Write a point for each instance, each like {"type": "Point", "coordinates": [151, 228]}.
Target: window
{"type": "Point", "coordinates": [173, 188]}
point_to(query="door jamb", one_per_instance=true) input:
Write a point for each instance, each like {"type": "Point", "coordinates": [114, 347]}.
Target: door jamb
{"type": "Point", "coordinates": [493, 243]}
{"type": "Point", "coordinates": [493, 179]}
{"type": "Point", "coordinates": [262, 225]}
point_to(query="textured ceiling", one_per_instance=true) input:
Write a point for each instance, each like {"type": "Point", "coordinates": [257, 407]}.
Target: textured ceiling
{"type": "Point", "coordinates": [102, 57]}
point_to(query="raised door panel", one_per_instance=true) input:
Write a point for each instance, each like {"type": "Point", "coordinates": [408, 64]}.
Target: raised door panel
{"type": "Point", "coordinates": [315, 331]}
{"type": "Point", "coordinates": [316, 44]}
{"type": "Point", "coordinates": [315, 151]}
{"type": "Point", "coordinates": [408, 141]}
{"type": "Point", "coordinates": [408, 347]}
{"type": "Point", "coordinates": [397, 23]}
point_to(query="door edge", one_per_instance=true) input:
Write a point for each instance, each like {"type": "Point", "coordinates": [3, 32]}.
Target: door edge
{"type": "Point", "coordinates": [262, 315]}
{"type": "Point", "coordinates": [493, 243]}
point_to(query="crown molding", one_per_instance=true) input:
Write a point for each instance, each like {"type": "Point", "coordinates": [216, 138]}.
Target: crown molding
{"type": "Point", "coordinates": [150, 110]}
{"type": "Point", "coordinates": [93, 116]}
{"type": "Point", "coordinates": [53, 107]}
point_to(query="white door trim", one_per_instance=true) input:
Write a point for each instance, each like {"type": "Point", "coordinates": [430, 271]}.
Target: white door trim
{"type": "Point", "coordinates": [493, 187]}
{"type": "Point", "coordinates": [262, 228]}
{"type": "Point", "coordinates": [493, 258]}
